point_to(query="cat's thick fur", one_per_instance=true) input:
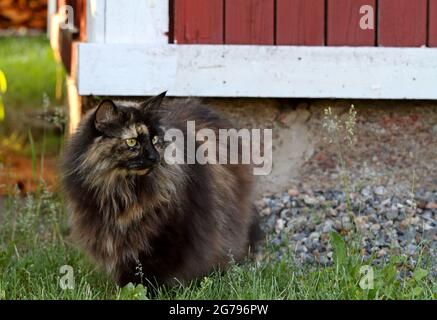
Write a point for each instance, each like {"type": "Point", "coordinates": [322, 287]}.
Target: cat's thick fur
{"type": "Point", "coordinates": [175, 223]}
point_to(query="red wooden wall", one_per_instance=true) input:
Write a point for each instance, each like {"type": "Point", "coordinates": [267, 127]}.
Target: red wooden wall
{"type": "Point", "coordinates": [198, 21]}
{"type": "Point", "coordinates": [398, 23]}
{"type": "Point", "coordinates": [432, 18]}
{"type": "Point", "coordinates": [300, 22]}
{"type": "Point", "coordinates": [343, 25]}
{"type": "Point", "coordinates": [249, 22]}
{"type": "Point", "coordinates": [403, 23]}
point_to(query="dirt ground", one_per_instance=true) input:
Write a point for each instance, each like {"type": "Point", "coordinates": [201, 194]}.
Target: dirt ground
{"type": "Point", "coordinates": [17, 173]}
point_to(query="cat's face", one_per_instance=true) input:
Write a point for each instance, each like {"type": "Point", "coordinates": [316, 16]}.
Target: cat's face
{"type": "Point", "coordinates": [131, 138]}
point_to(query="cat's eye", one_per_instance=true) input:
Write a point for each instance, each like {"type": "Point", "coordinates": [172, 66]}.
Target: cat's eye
{"type": "Point", "coordinates": [155, 140]}
{"type": "Point", "coordinates": [131, 142]}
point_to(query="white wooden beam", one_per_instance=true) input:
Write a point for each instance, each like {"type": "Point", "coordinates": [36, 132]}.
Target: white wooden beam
{"type": "Point", "coordinates": [137, 21]}
{"type": "Point", "coordinates": [51, 10]}
{"type": "Point", "coordinates": [95, 20]}
{"type": "Point", "coordinates": [258, 71]}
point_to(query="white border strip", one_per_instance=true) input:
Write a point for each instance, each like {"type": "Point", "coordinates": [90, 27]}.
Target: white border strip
{"type": "Point", "coordinates": [257, 71]}
{"type": "Point", "coordinates": [95, 20]}
{"type": "Point", "coordinates": [128, 21]}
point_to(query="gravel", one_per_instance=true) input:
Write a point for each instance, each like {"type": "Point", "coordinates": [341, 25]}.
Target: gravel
{"type": "Point", "coordinates": [387, 224]}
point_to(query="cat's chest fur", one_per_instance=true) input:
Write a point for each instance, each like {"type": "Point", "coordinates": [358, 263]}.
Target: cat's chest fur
{"type": "Point", "coordinates": [122, 237]}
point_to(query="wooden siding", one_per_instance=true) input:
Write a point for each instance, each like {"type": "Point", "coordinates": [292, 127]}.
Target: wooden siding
{"type": "Point", "coordinates": [432, 18]}
{"type": "Point", "coordinates": [249, 22]}
{"type": "Point", "coordinates": [300, 22]}
{"type": "Point", "coordinates": [343, 25]}
{"type": "Point", "coordinates": [198, 21]}
{"type": "Point", "coordinates": [397, 23]}
{"type": "Point", "coordinates": [403, 23]}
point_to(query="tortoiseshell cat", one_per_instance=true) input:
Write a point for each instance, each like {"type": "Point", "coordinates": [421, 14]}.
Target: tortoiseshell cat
{"type": "Point", "coordinates": [130, 208]}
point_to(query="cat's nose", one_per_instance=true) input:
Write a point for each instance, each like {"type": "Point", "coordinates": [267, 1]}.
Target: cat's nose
{"type": "Point", "coordinates": [153, 157]}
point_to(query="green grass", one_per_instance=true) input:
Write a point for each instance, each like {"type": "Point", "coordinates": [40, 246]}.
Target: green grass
{"type": "Point", "coordinates": [30, 69]}
{"type": "Point", "coordinates": [31, 73]}
{"type": "Point", "coordinates": [34, 246]}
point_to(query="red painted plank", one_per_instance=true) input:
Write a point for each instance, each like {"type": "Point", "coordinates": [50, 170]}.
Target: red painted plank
{"type": "Point", "coordinates": [81, 24]}
{"type": "Point", "coordinates": [198, 21]}
{"type": "Point", "coordinates": [432, 32]}
{"type": "Point", "coordinates": [344, 23]}
{"type": "Point", "coordinates": [402, 23]}
{"type": "Point", "coordinates": [249, 22]}
{"type": "Point", "coordinates": [300, 22]}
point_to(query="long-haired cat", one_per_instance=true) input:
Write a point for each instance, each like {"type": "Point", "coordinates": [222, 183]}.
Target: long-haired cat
{"type": "Point", "coordinates": [145, 220]}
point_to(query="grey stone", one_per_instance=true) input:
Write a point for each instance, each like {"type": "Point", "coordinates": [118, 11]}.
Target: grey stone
{"type": "Point", "coordinates": [375, 227]}
{"type": "Point", "coordinates": [314, 236]}
{"type": "Point", "coordinates": [265, 212]}
{"type": "Point", "coordinates": [380, 191]}
{"type": "Point", "coordinates": [366, 192]}
{"type": "Point", "coordinates": [310, 200]}
{"type": "Point", "coordinates": [279, 225]}
{"type": "Point", "coordinates": [392, 214]}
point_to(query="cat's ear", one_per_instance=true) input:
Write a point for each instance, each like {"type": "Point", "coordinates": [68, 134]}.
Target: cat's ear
{"type": "Point", "coordinates": [154, 102]}
{"type": "Point", "coordinates": [107, 113]}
